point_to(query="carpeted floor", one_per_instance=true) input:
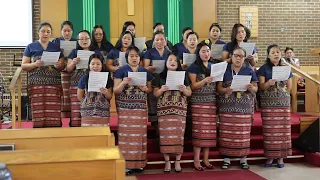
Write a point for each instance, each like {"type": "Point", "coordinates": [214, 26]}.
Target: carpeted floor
{"type": "Point", "coordinates": [206, 175]}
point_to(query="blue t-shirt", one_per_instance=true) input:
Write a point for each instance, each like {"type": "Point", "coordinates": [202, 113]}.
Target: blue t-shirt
{"type": "Point", "coordinates": [195, 69]}
{"type": "Point", "coordinates": [266, 71]}
{"type": "Point", "coordinates": [228, 75]}
{"type": "Point", "coordinates": [35, 50]}
{"type": "Point", "coordinates": [122, 72]}
{"type": "Point", "coordinates": [179, 49]}
{"type": "Point", "coordinates": [113, 54]}
{"type": "Point", "coordinates": [228, 47]}
{"type": "Point", "coordinates": [58, 40]}
{"type": "Point", "coordinates": [153, 54]}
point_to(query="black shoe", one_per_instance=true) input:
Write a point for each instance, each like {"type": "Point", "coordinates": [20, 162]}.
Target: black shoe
{"type": "Point", "coordinates": [128, 172]}
{"type": "Point", "coordinates": [138, 171]}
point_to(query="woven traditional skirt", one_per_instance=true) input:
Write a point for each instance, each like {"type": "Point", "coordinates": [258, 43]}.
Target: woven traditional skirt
{"type": "Point", "coordinates": [66, 104]}
{"type": "Point", "coordinates": [75, 120]}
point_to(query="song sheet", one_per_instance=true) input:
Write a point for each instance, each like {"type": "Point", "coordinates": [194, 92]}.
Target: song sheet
{"type": "Point", "coordinates": [159, 65]}
{"type": "Point", "coordinates": [122, 59]}
{"type": "Point", "coordinates": [216, 51]}
{"type": "Point", "coordinates": [97, 80]}
{"type": "Point", "coordinates": [138, 78]}
{"type": "Point", "coordinates": [240, 82]}
{"type": "Point", "coordinates": [249, 47]}
{"type": "Point", "coordinates": [188, 58]}
{"type": "Point", "coordinates": [281, 73]}
{"type": "Point", "coordinates": [50, 58]}
{"type": "Point", "coordinates": [67, 47]}
{"type": "Point", "coordinates": [175, 79]}
{"type": "Point", "coordinates": [84, 58]}
{"type": "Point", "coordinates": [218, 70]}
{"type": "Point", "coordinates": [140, 43]}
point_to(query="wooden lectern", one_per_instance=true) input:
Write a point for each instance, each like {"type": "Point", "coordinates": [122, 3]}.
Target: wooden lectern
{"type": "Point", "coordinates": [316, 51]}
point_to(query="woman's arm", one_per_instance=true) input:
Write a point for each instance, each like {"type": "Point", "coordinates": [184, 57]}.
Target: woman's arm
{"type": "Point", "coordinates": [263, 85]}
{"type": "Point", "coordinates": [26, 64]}
{"type": "Point", "coordinates": [80, 94]}
{"type": "Point", "coordinates": [225, 57]}
{"type": "Point", "coordinates": [289, 84]}
{"type": "Point", "coordinates": [110, 66]}
{"type": "Point", "coordinates": [196, 85]}
{"type": "Point", "coordinates": [146, 64]}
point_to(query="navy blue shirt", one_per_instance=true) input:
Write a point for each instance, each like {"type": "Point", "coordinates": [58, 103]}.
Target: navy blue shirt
{"type": "Point", "coordinates": [228, 75]}
{"type": "Point", "coordinates": [58, 40]}
{"type": "Point", "coordinates": [82, 83]}
{"type": "Point", "coordinates": [153, 54]}
{"type": "Point", "coordinates": [266, 71]}
{"type": "Point", "coordinates": [122, 72]}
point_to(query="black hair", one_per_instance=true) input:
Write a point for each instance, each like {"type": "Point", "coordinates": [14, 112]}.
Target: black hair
{"type": "Point", "coordinates": [184, 30]}
{"type": "Point", "coordinates": [86, 76]}
{"type": "Point", "coordinates": [44, 24]}
{"type": "Point", "coordinates": [234, 33]}
{"type": "Point", "coordinates": [126, 24]}
{"type": "Point", "coordinates": [94, 43]}
{"type": "Point", "coordinates": [66, 23]}
{"type": "Point", "coordinates": [163, 74]}
{"type": "Point", "coordinates": [199, 62]}
{"type": "Point", "coordinates": [157, 24]}
{"type": "Point", "coordinates": [78, 47]}
{"type": "Point", "coordinates": [192, 32]}
{"type": "Point", "coordinates": [248, 34]}
{"type": "Point", "coordinates": [268, 61]}
{"type": "Point", "coordinates": [215, 25]}
{"type": "Point", "coordinates": [130, 49]}
{"type": "Point", "coordinates": [119, 45]}
{"type": "Point", "coordinates": [287, 49]}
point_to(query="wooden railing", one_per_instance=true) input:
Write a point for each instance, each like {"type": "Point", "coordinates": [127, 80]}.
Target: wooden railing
{"type": "Point", "coordinates": [16, 82]}
{"type": "Point", "coordinates": [312, 91]}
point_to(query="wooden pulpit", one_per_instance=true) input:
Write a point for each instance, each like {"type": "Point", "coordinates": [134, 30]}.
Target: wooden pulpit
{"type": "Point", "coordinates": [316, 51]}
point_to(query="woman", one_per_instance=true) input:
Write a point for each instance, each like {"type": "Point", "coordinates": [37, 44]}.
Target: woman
{"type": "Point", "coordinates": [172, 111]}
{"type": "Point", "coordinates": [159, 52]}
{"type": "Point", "coordinates": [84, 43]}
{"type": "Point", "coordinates": [203, 106]}
{"type": "Point", "coordinates": [192, 41]}
{"type": "Point", "coordinates": [95, 106]}
{"type": "Point", "coordinates": [99, 40]}
{"type": "Point", "coordinates": [66, 31]}
{"type": "Point", "coordinates": [182, 46]}
{"type": "Point", "coordinates": [275, 110]}
{"type": "Point", "coordinates": [44, 82]}
{"type": "Point", "coordinates": [132, 112]}
{"type": "Point", "coordinates": [158, 27]}
{"type": "Point", "coordinates": [238, 36]}
{"type": "Point", "coordinates": [235, 110]}
{"type": "Point", "coordinates": [290, 57]}
{"type": "Point", "coordinates": [214, 35]}
{"type": "Point", "coordinates": [126, 40]}
{"type": "Point", "coordinates": [128, 26]}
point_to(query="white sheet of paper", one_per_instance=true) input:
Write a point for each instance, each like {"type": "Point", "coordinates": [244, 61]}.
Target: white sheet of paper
{"type": "Point", "coordinates": [140, 43]}
{"type": "Point", "coordinates": [216, 51]}
{"type": "Point", "coordinates": [188, 58]}
{"type": "Point", "coordinates": [84, 58]}
{"type": "Point", "coordinates": [50, 58]}
{"type": "Point", "coordinates": [218, 70]}
{"type": "Point", "coordinates": [122, 59]}
{"type": "Point", "coordinates": [138, 78]}
{"type": "Point", "coordinates": [240, 82]}
{"type": "Point", "coordinates": [281, 73]}
{"type": "Point", "coordinates": [249, 47]}
{"type": "Point", "coordinates": [175, 79]}
{"type": "Point", "coordinates": [159, 64]}
{"type": "Point", "coordinates": [67, 47]}
{"type": "Point", "coordinates": [97, 80]}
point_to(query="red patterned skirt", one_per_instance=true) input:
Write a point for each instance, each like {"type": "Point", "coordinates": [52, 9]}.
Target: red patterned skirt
{"type": "Point", "coordinates": [66, 104]}
{"type": "Point", "coordinates": [45, 105]}
{"type": "Point", "coordinates": [75, 120]}
{"type": "Point", "coordinates": [204, 125]}
{"type": "Point", "coordinates": [132, 136]}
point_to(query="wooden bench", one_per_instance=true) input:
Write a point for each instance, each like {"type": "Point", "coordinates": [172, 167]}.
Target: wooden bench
{"type": "Point", "coordinates": [65, 164]}
{"type": "Point", "coordinates": [57, 138]}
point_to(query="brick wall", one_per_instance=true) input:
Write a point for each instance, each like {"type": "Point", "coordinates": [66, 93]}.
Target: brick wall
{"type": "Point", "coordinates": [299, 18]}
{"type": "Point", "coordinates": [7, 55]}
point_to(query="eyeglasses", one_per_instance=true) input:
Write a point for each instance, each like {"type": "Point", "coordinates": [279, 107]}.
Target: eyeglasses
{"type": "Point", "coordinates": [238, 56]}
{"type": "Point", "coordinates": [86, 39]}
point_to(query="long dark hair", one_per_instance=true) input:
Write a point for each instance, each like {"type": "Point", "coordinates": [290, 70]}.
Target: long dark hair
{"type": "Point", "coordinates": [163, 74]}
{"type": "Point", "coordinates": [86, 76]}
{"type": "Point", "coordinates": [119, 45]}
{"type": "Point", "coordinates": [130, 49]}
{"type": "Point", "coordinates": [78, 47]}
{"type": "Point", "coordinates": [126, 24]}
{"type": "Point", "coordinates": [268, 61]}
{"type": "Point", "coordinates": [199, 62]}
{"type": "Point", "coordinates": [94, 43]}
{"type": "Point", "coordinates": [234, 33]}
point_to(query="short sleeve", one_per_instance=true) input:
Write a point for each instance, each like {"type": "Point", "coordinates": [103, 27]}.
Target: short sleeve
{"type": "Point", "coordinates": [111, 54]}
{"type": "Point", "coordinates": [27, 51]}
{"type": "Point", "coordinates": [81, 84]}
{"type": "Point", "coordinates": [254, 77]}
{"type": "Point", "coordinates": [193, 69]}
{"type": "Point", "coordinates": [262, 71]}
{"type": "Point", "coordinates": [225, 47]}
{"type": "Point", "coordinates": [147, 55]}
{"type": "Point", "coordinates": [119, 74]}
{"type": "Point", "coordinates": [110, 82]}
{"type": "Point", "coordinates": [156, 81]}
{"type": "Point", "coordinates": [56, 41]}
{"type": "Point", "coordinates": [187, 80]}
{"type": "Point", "coordinates": [73, 54]}
{"type": "Point", "coordinates": [149, 76]}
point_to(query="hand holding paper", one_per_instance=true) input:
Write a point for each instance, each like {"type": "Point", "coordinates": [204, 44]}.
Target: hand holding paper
{"type": "Point", "coordinates": [67, 47]}
{"type": "Point", "coordinates": [84, 58]}
{"type": "Point", "coordinates": [249, 47]}
{"type": "Point", "coordinates": [138, 78]}
{"type": "Point", "coordinates": [240, 82]}
{"type": "Point", "coordinates": [97, 80]}
{"type": "Point", "coordinates": [175, 79]}
{"type": "Point", "coordinates": [50, 58]}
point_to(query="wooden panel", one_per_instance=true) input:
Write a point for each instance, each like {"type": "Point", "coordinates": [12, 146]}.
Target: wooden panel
{"type": "Point", "coordinates": [312, 96]}
{"type": "Point", "coordinates": [202, 21]}
{"type": "Point", "coordinates": [48, 13]}
{"type": "Point", "coordinates": [130, 6]}
{"type": "Point", "coordinates": [305, 122]}
{"type": "Point", "coordinates": [148, 19]}
{"type": "Point", "coordinates": [294, 95]}
{"type": "Point", "coordinates": [114, 21]}
{"type": "Point", "coordinates": [93, 163]}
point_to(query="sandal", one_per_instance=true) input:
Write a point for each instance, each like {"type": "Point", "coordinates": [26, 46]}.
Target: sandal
{"type": "Point", "coordinates": [225, 165]}
{"type": "Point", "coordinates": [244, 166]}
{"type": "Point", "coordinates": [167, 170]}
{"type": "Point", "coordinates": [177, 170]}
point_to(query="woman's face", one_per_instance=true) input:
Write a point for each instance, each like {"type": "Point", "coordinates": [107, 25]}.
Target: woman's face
{"type": "Point", "coordinates": [275, 55]}
{"type": "Point", "coordinates": [95, 65]}
{"type": "Point", "coordinates": [45, 33]}
{"type": "Point", "coordinates": [172, 63]}
{"type": "Point", "coordinates": [66, 32]}
{"type": "Point", "coordinates": [98, 35]}
{"type": "Point", "coordinates": [132, 29]}
{"type": "Point", "coordinates": [192, 41]}
{"type": "Point", "coordinates": [133, 58]}
{"type": "Point", "coordinates": [238, 57]}
{"type": "Point", "coordinates": [159, 41]}
{"type": "Point", "coordinates": [204, 53]}
{"type": "Point", "coordinates": [126, 40]}
{"type": "Point", "coordinates": [185, 34]}
{"type": "Point", "coordinates": [84, 40]}
{"type": "Point", "coordinates": [241, 34]}
{"type": "Point", "coordinates": [214, 33]}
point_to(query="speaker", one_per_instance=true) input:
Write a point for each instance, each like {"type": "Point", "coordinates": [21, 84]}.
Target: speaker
{"type": "Point", "coordinates": [309, 140]}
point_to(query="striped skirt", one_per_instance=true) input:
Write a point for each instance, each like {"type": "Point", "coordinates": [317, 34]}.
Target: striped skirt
{"type": "Point", "coordinates": [95, 121]}
{"type": "Point", "coordinates": [171, 131]}
{"type": "Point", "coordinates": [45, 105]}
{"type": "Point", "coordinates": [75, 120]}
{"type": "Point", "coordinates": [66, 105]}
{"type": "Point", "coordinates": [204, 124]}
{"type": "Point", "coordinates": [276, 132]}
{"type": "Point", "coordinates": [234, 134]}
{"type": "Point", "coordinates": [132, 136]}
